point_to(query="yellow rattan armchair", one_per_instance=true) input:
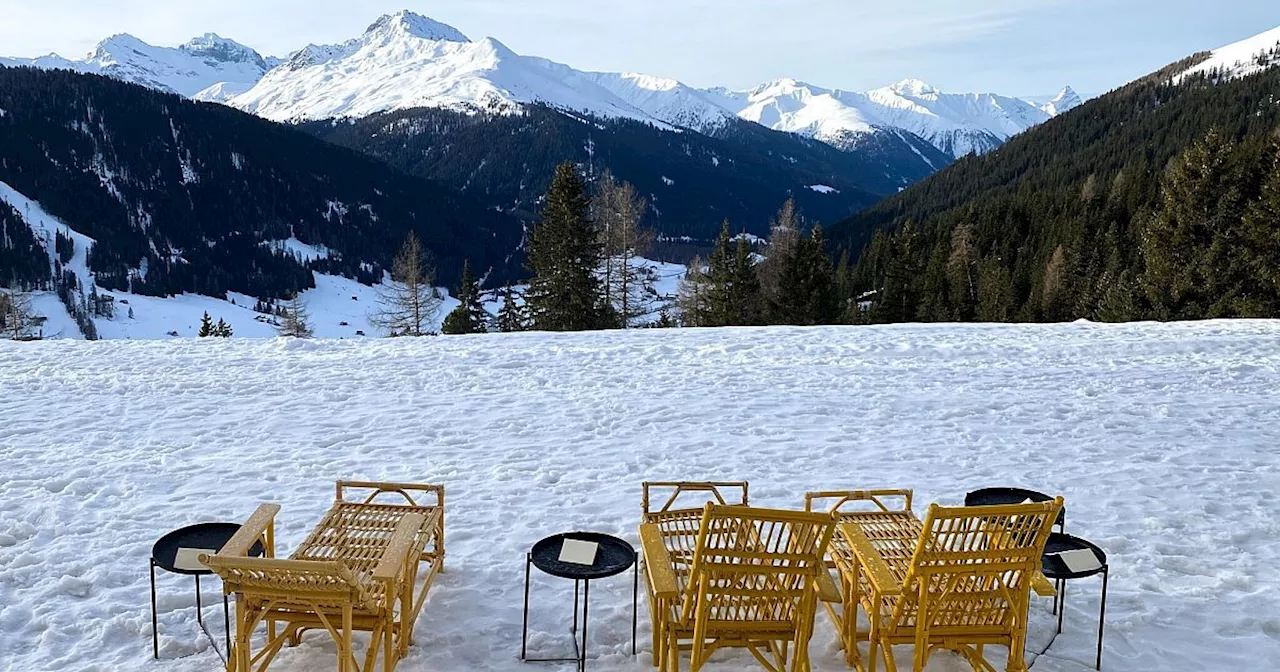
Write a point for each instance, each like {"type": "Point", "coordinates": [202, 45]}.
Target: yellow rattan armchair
{"type": "Point", "coordinates": [752, 582]}
{"type": "Point", "coordinates": [367, 566]}
{"type": "Point", "coordinates": [966, 584]}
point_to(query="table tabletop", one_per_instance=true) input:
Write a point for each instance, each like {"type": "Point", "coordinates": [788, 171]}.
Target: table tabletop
{"type": "Point", "coordinates": [211, 536]}
{"type": "Point", "coordinates": [613, 556]}
{"type": "Point", "coordinates": [1055, 568]}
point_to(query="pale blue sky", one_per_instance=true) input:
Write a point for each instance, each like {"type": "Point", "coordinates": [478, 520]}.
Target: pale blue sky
{"type": "Point", "coordinates": [1016, 47]}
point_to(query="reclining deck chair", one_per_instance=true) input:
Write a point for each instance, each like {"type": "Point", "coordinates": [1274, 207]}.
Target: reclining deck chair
{"type": "Point", "coordinates": [752, 583]}
{"type": "Point", "coordinates": [967, 583]}
{"type": "Point", "coordinates": [366, 566]}
{"type": "Point", "coordinates": [676, 524]}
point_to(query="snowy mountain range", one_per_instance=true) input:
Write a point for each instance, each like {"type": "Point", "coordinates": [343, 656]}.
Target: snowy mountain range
{"type": "Point", "coordinates": [208, 67]}
{"type": "Point", "coordinates": [405, 61]}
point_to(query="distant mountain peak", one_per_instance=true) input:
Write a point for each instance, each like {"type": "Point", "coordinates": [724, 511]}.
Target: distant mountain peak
{"type": "Point", "coordinates": [913, 87]}
{"type": "Point", "coordinates": [218, 48]}
{"type": "Point", "coordinates": [1066, 100]}
{"type": "Point", "coordinates": [408, 24]}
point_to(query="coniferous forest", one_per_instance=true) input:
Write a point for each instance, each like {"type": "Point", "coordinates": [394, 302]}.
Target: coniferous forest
{"type": "Point", "coordinates": [1152, 202]}
{"type": "Point", "coordinates": [188, 197]}
{"type": "Point", "coordinates": [692, 181]}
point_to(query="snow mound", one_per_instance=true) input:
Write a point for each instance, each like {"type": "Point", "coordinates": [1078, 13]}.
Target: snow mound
{"type": "Point", "coordinates": [1161, 437]}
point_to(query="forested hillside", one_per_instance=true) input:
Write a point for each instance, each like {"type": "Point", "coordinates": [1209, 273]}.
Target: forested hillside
{"type": "Point", "coordinates": [691, 181]}
{"type": "Point", "coordinates": [194, 197]}
{"type": "Point", "coordinates": [1152, 202]}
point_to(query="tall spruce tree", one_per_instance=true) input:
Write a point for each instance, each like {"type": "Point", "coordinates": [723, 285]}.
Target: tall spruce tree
{"type": "Point", "coordinates": [806, 292]}
{"type": "Point", "coordinates": [511, 315]}
{"type": "Point", "coordinates": [470, 316]}
{"type": "Point", "coordinates": [719, 292]}
{"type": "Point", "coordinates": [744, 290]}
{"type": "Point", "coordinates": [206, 326]}
{"type": "Point", "coordinates": [565, 294]}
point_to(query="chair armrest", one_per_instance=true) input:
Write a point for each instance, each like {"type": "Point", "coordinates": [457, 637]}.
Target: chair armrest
{"type": "Point", "coordinates": [1042, 585]}
{"type": "Point", "coordinates": [876, 569]}
{"type": "Point", "coordinates": [249, 533]}
{"type": "Point", "coordinates": [828, 591]}
{"type": "Point", "coordinates": [657, 562]}
{"type": "Point", "coordinates": [396, 557]}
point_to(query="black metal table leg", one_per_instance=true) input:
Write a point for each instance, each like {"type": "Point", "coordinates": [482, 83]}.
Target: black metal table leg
{"type": "Point", "coordinates": [635, 595]}
{"type": "Point", "coordinates": [155, 635]}
{"type": "Point", "coordinates": [1102, 613]}
{"type": "Point", "coordinates": [1062, 605]}
{"type": "Point", "coordinates": [582, 654]}
{"type": "Point", "coordinates": [524, 628]}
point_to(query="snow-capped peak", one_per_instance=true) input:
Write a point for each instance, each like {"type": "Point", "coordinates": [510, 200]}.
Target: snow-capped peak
{"type": "Point", "coordinates": [408, 24]}
{"type": "Point", "coordinates": [217, 48]}
{"type": "Point", "coordinates": [914, 88]}
{"type": "Point", "coordinates": [1066, 100]}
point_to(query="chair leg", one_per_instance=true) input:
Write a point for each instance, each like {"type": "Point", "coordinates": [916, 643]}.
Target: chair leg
{"type": "Point", "coordinates": [345, 654]}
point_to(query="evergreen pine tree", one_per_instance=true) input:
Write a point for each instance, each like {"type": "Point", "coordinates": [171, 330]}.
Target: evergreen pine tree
{"type": "Point", "coordinates": [806, 293]}
{"type": "Point", "coordinates": [206, 326]}
{"type": "Point", "coordinates": [719, 291]}
{"type": "Point", "coordinates": [745, 297]}
{"type": "Point", "coordinates": [222, 329]}
{"type": "Point", "coordinates": [564, 293]}
{"type": "Point", "coordinates": [784, 238]}
{"type": "Point", "coordinates": [470, 316]}
{"type": "Point", "coordinates": [510, 316]}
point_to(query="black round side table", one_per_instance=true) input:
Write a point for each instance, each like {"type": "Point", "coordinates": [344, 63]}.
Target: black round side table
{"type": "Point", "coordinates": [613, 556]}
{"type": "Point", "coordinates": [205, 537]}
{"type": "Point", "coordinates": [1056, 569]}
{"type": "Point", "coordinates": [999, 496]}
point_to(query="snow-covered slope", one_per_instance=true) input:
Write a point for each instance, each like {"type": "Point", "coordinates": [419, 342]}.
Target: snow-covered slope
{"type": "Point", "coordinates": [1161, 438]}
{"type": "Point", "coordinates": [206, 67]}
{"type": "Point", "coordinates": [1240, 59]}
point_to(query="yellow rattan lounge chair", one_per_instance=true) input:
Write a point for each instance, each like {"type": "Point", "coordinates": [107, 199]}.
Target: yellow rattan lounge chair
{"type": "Point", "coordinates": [752, 583]}
{"type": "Point", "coordinates": [676, 522]}
{"type": "Point", "coordinates": [966, 584]}
{"type": "Point", "coordinates": [366, 566]}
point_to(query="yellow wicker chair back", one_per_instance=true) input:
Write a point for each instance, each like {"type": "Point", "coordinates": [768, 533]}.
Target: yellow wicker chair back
{"type": "Point", "coordinates": [751, 583]}
{"type": "Point", "coordinates": [969, 582]}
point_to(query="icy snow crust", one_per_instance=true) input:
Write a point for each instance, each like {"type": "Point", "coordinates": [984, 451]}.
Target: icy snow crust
{"type": "Point", "coordinates": [1162, 439]}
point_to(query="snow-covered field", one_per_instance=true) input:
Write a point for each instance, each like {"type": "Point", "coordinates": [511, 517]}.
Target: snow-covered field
{"type": "Point", "coordinates": [1163, 439]}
